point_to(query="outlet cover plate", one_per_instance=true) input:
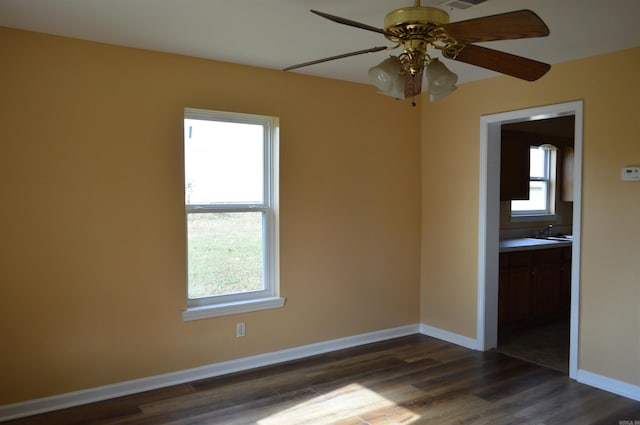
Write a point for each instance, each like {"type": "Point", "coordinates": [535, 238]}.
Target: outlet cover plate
{"type": "Point", "coordinates": [631, 174]}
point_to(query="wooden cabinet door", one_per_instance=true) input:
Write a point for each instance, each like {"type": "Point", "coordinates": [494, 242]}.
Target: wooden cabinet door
{"type": "Point", "coordinates": [547, 279]}
{"type": "Point", "coordinates": [514, 166]}
{"type": "Point", "coordinates": [519, 295]}
{"type": "Point", "coordinates": [515, 295]}
{"type": "Point", "coordinates": [566, 183]}
{"type": "Point", "coordinates": [503, 289]}
{"type": "Point", "coordinates": [565, 283]}
{"type": "Point", "coordinates": [546, 292]}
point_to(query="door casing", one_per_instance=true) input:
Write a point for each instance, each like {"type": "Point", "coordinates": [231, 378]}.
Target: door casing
{"type": "Point", "coordinates": [489, 221]}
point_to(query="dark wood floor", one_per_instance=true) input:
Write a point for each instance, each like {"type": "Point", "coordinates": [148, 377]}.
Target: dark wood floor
{"type": "Point", "coordinates": [411, 380]}
{"type": "Point", "coordinates": [546, 344]}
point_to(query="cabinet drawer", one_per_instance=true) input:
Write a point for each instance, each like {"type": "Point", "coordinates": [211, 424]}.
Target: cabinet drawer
{"type": "Point", "coordinates": [547, 256]}
{"type": "Point", "coordinates": [520, 259]}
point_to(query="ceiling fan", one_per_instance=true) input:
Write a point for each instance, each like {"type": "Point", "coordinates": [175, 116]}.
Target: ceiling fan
{"type": "Point", "coordinates": [419, 27]}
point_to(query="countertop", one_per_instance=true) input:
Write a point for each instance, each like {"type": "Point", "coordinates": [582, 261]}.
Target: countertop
{"type": "Point", "coordinates": [526, 244]}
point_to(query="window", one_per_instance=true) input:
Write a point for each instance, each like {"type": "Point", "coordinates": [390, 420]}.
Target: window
{"type": "Point", "coordinates": [542, 175]}
{"type": "Point", "coordinates": [231, 181]}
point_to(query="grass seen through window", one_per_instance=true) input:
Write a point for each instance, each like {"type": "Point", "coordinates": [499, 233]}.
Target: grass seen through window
{"type": "Point", "coordinates": [225, 253]}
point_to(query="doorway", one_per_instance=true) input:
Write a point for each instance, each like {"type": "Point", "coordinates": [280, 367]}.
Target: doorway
{"type": "Point", "coordinates": [489, 223]}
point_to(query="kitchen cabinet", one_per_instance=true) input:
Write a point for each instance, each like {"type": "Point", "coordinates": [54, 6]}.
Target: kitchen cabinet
{"type": "Point", "coordinates": [515, 287]}
{"type": "Point", "coordinates": [534, 286]}
{"type": "Point", "coordinates": [565, 282]}
{"type": "Point", "coordinates": [514, 166]}
{"type": "Point", "coordinates": [546, 275]}
{"type": "Point", "coordinates": [566, 185]}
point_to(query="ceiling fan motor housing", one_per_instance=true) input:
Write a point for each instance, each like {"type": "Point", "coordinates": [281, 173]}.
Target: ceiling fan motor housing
{"type": "Point", "coordinates": [413, 27]}
{"type": "Point", "coordinates": [398, 19]}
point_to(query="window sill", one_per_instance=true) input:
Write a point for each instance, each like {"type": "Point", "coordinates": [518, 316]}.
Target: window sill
{"type": "Point", "coordinates": [206, 311]}
{"type": "Point", "coordinates": [546, 218]}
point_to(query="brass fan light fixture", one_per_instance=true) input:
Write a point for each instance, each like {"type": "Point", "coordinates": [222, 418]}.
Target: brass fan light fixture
{"type": "Point", "coordinates": [419, 28]}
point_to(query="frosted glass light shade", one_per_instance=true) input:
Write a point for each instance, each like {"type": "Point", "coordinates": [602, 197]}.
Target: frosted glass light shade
{"type": "Point", "coordinates": [386, 77]}
{"type": "Point", "coordinates": [383, 75]}
{"type": "Point", "coordinates": [440, 79]}
{"type": "Point", "coordinates": [436, 97]}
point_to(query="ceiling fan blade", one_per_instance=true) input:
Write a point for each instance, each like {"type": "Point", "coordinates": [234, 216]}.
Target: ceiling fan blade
{"type": "Point", "coordinates": [505, 63]}
{"type": "Point", "coordinates": [412, 85]}
{"type": "Point", "coordinates": [351, 23]}
{"type": "Point", "coordinates": [344, 55]}
{"type": "Point", "coordinates": [504, 26]}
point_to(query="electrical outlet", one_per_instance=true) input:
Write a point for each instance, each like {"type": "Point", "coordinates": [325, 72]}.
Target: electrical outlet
{"type": "Point", "coordinates": [631, 174]}
{"type": "Point", "coordinates": [240, 329]}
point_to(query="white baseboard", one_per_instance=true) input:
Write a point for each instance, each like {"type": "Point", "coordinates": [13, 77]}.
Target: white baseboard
{"type": "Point", "coordinates": [450, 337]}
{"type": "Point", "coordinates": [612, 385]}
{"type": "Point", "coordinates": [47, 404]}
{"type": "Point", "coordinates": [76, 398]}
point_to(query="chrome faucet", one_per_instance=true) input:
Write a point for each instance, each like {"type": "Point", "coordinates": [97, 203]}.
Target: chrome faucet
{"type": "Point", "coordinates": [546, 232]}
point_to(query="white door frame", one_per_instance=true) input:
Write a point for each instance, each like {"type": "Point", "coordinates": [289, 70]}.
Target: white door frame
{"type": "Point", "coordinates": [489, 221]}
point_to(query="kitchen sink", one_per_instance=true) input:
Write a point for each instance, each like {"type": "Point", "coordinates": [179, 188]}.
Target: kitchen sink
{"type": "Point", "coordinates": [562, 238]}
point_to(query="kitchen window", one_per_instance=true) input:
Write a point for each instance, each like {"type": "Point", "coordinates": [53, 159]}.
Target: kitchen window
{"type": "Point", "coordinates": [542, 184]}
{"type": "Point", "coordinates": [231, 198]}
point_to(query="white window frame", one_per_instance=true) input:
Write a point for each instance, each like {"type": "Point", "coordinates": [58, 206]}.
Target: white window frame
{"type": "Point", "coordinates": [549, 179]}
{"type": "Point", "coordinates": [269, 297]}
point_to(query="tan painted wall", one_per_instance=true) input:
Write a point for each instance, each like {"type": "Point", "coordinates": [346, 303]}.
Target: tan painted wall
{"type": "Point", "coordinates": [92, 255]}
{"type": "Point", "coordinates": [610, 286]}
{"type": "Point", "coordinates": [92, 264]}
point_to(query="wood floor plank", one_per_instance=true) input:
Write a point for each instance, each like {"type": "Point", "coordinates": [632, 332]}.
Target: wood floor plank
{"type": "Point", "coordinates": [410, 380]}
{"type": "Point", "coordinates": [628, 411]}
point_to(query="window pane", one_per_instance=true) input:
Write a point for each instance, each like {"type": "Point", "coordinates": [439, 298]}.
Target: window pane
{"type": "Point", "coordinates": [223, 162]}
{"type": "Point", "coordinates": [538, 163]}
{"type": "Point", "coordinates": [537, 198]}
{"type": "Point", "coordinates": [225, 253]}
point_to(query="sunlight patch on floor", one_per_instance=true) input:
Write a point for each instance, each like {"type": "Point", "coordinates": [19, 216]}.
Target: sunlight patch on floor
{"type": "Point", "coordinates": [352, 401]}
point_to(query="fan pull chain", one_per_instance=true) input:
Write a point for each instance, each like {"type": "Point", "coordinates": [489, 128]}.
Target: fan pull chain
{"type": "Point", "coordinates": [413, 90]}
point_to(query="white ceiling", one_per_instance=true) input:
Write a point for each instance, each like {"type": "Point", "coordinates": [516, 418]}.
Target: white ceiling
{"type": "Point", "coordinates": [278, 33]}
